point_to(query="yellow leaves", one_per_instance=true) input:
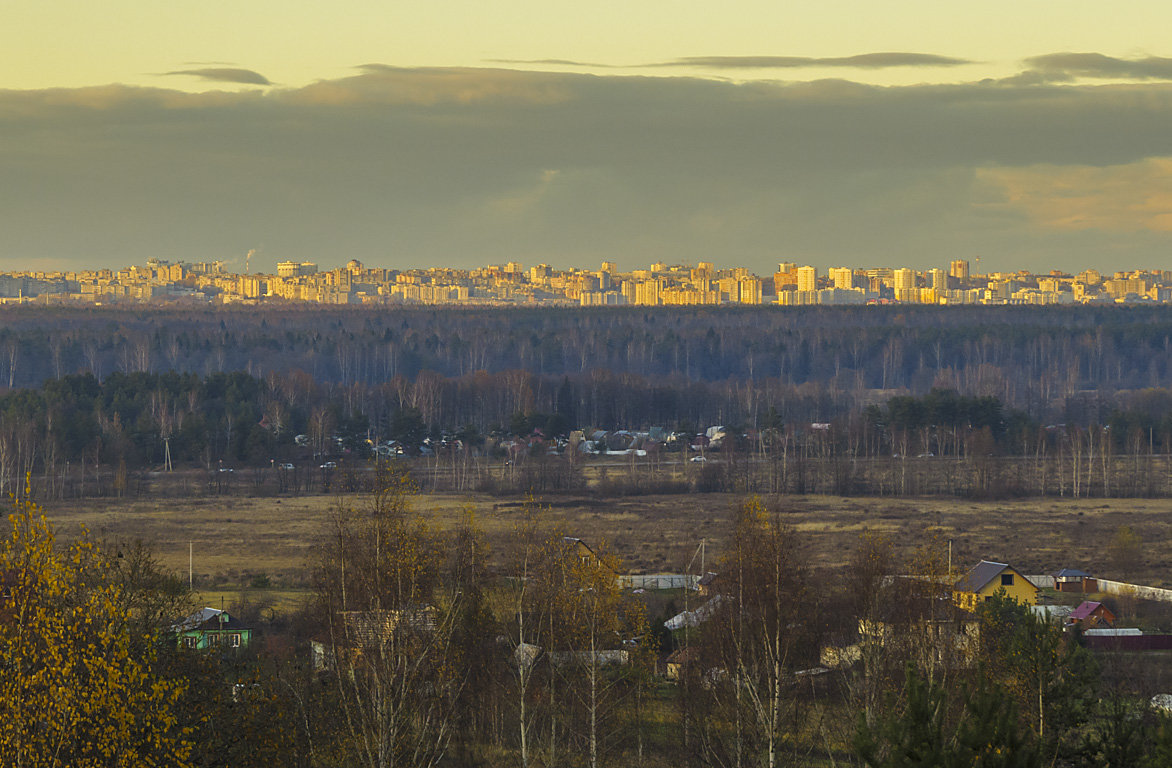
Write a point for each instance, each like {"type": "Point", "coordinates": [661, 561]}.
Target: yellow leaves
{"type": "Point", "coordinates": [73, 693]}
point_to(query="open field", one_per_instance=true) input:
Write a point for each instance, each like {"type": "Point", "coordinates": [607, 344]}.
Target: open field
{"type": "Point", "coordinates": [235, 539]}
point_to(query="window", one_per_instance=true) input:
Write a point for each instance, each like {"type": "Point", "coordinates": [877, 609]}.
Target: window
{"type": "Point", "coordinates": [189, 642]}
{"type": "Point", "coordinates": [1007, 579]}
{"type": "Point", "coordinates": [988, 598]}
{"type": "Point", "coordinates": [234, 640]}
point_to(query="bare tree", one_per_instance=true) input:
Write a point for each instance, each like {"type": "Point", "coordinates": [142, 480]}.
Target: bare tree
{"type": "Point", "coordinates": [760, 630]}
{"type": "Point", "coordinates": [390, 628]}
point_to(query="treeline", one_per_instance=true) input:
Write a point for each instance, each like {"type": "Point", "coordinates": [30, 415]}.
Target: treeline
{"type": "Point", "coordinates": [82, 436]}
{"type": "Point", "coordinates": [830, 359]}
{"type": "Point", "coordinates": [414, 653]}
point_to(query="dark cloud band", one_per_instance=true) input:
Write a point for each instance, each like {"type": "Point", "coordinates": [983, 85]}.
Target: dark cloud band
{"type": "Point", "coordinates": [879, 60]}
{"type": "Point", "coordinates": [1096, 65]}
{"type": "Point", "coordinates": [400, 167]}
{"type": "Point", "coordinates": [225, 75]}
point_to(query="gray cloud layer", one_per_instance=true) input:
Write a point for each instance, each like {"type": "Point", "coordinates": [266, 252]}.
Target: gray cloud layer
{"type": "Point", "coordinates": [405, 167]}
{"type": "Point", "coordinates": [225, 75]}
{"type": "Point", "coordinates": [554, 63]}
{"type": "Point", "coordinates": [862, 61]}
{"type": "Point", "coordinates": [1096, 65]}
{"type": "Point", "coordinates": [879, 60]}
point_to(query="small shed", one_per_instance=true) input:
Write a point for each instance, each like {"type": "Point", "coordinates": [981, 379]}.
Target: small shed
{"type": "Point", "coordinates": [1074, 580]}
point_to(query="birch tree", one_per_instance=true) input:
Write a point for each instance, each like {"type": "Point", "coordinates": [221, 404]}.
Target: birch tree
{"type": "Point", "coordinates": [75, 690]}
{"type": "Point", "coordinates": [758, 636]}
{"type": "Point", "coordinates": [390, 628]}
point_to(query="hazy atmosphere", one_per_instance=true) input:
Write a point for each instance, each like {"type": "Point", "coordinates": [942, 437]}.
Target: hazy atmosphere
{"type": "Point", "coordinates": [1033, 138]}
{"type": "Point", "coordinates": [654, 384]}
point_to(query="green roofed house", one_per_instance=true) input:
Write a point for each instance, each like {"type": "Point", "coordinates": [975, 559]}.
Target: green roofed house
{"type": "Point", "coordinates": [209, 628]}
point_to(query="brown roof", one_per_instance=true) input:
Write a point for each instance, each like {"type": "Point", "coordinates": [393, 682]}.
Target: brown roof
{"type": "Point", "coordinates": [980, 575]}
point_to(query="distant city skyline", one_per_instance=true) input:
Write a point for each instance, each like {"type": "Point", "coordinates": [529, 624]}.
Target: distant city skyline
{"type": "Point", "coordinates": [512, 284]}
{"type": "Point", "coordinates": [1031, 136]}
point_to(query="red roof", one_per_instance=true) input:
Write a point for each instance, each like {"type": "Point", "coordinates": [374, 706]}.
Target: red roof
{"type": "Point", "coordinates": [1083, 611]}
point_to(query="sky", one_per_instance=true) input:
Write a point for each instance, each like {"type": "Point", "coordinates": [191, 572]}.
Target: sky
{"type": "Point", "coordinates": [1031, 135]}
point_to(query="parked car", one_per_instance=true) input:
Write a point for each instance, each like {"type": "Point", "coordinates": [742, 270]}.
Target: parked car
{"type": "Point", "coordinates": [287, 466]}
{"type": "Point", "coordinates": [330, 465]}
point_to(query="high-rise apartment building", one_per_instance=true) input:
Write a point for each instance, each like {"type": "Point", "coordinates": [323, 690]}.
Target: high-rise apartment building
{"type": "Point", "coordinates": [937, 281]}
{"type": "Point", "coordinates": [647, 293]}
{"type": "Point", "coordinates": [842, 277]}
{"type": "Point", "coordinates": [905, 279]}
{"type": "Point", "coordinates": [959, 269]}
{"type": "Point", "coordinates": [749, 290]}
{"type": "Point", "coordinates": [807, 278]}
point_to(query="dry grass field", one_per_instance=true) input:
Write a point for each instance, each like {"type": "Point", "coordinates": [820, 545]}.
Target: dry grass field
{"type": "Point", "coordinates": [235, 539]}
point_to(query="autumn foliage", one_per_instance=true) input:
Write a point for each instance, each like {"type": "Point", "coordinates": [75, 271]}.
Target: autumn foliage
{"type": "Point", "coordinates": [72, 692]}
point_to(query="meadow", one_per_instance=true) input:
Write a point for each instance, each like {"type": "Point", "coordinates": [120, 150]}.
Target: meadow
{"type": "Point", "coordinates": [237, 541]}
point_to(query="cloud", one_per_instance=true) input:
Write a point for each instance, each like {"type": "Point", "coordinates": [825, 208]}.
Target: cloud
{"type": "Point", "coordinates": [224, 75]}
{"type": "Point", "coordinates": [519, 202]}
{"type": "Point", "coordinates": [465, 166]}
{"type": "Point", "coordinates": [429, 86]}
{"type": "Point", "coordinates": [554, 63]}
{"type": "Point", "coordinates": [862, 61]}
{"type": "Point", "coordinates": [1121, 198]}
{"type": "Point", "coordinates": [1096, 65]}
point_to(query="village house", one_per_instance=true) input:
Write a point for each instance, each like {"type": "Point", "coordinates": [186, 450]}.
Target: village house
{"type": "Point", "coordinates": [1092, 615]}
{"type": "Point", "coordinates": [363, 631]}
{"type": "Point", "coordinates": [987, 578]}
{"type": "Point", "coordinates": [577, 550]}
{"type": "Point", "coordinates": [210, 628]}
{"type": "Point", "coordinates": [678, 661]}
{"type": "Point", "coordinates": [706, 586]}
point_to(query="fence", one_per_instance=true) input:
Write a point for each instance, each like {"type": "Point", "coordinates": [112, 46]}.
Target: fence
{"type": "Point", "coordinates": [1109, 587]}
{"type": "Point", "coordinates": [658, 581]}
{"type": "Point", "coordinates": [1135, 590]}
{"type": "Point", "coordinates": [1129, 642]}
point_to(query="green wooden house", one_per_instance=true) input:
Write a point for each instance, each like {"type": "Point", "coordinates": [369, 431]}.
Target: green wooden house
{"type": "Point", "coordinates": [209, 628]}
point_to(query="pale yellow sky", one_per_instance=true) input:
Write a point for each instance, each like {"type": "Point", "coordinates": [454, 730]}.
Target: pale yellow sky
{"type": "Point", "coordinates": [72, 43]}
{"type": "Point", "coordinates": [1030, 133]}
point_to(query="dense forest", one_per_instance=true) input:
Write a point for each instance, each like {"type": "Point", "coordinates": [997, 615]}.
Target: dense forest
{"type": "Point", "coordinates": [413, 653]}
{"type": "Point", "coordinates": [825, 360]}
{"type": "Point", "coordinates": [1024, 401]}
